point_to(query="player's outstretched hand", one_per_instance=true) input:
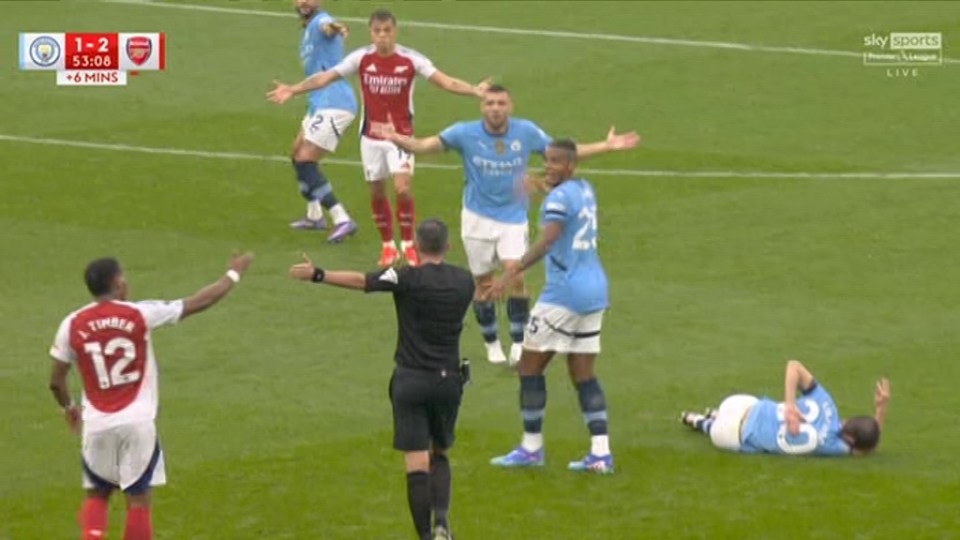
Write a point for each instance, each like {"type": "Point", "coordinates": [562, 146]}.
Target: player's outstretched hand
{"type": "Point", "coordinates": [281, 92]}
{"type": "Point", "coordinates": [74, 419]}
{"type": "Point", "coordinates": [240, 263]}
{"type": "Point", "coordinates": [481, 88]}
{"type": "Point", "coordinates": [882, 394]}
{"type": "Point", "coordinates": [341, 29]}
{"type": "Point", "coordinates": [622, 141]}
{"type": "Point", "coordinates": [303, 270]}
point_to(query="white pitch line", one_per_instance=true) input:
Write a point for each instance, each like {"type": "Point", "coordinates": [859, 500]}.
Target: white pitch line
{"type": "Point", "coordinates": [867, 175]}
{"type": "Point", "coordinates": [533, 32]}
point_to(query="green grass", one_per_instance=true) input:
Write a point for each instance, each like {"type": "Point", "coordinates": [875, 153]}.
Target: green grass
{"type": "Point", "coordinates": [274, 412]}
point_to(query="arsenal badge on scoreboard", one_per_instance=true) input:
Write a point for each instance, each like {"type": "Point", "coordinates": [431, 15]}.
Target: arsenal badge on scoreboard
{"type": "Point", "coordinates": [138, 49]}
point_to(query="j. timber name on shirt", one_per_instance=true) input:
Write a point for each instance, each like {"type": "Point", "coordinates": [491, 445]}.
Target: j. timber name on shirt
{"type": "Point", "coordinates": [492, 167]}
{"type": "Point", "coordinates": [117, 323]}
{"type": "Point", "coordinates": [384, 85]}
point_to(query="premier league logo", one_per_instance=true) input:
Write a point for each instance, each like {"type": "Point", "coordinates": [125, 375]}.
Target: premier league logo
{"type": "Point", "coordinates": [44, 51]}
{"type": "Point", "coordinates": [139, 49]}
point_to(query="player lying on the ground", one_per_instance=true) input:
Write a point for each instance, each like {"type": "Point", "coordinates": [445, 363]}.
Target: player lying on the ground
{"type": "Point", "coordinates": [808, 425]}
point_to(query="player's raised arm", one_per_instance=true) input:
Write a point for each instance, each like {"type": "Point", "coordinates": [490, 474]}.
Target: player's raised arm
{"type": "Point", "coordinates": [211, 294]}
{"type": "Point", "coordinates": [333, 28]}
{"type": "Point", "coordinates": [458, 86]}
{"type": "Point", "coordinates": [428, 145]}
{"type": "Point", "coordinates": [282, 92]}
{"type": "Point", "coordinates": [881, 397]}
{"type": "Point", "coordinates": [613, 143]}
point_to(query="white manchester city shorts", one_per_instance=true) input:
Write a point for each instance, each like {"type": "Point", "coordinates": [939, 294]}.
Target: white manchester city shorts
{"type": "Point", "coordinates": [488, 242]}
{"type": "Point", "coordinates": [122, 456]}
{"type": "Point", "coordinates": [557, 329]}
{"type": "Point", "coordinates": [325, 127]}
{"type": "Point", "coordinates": [383, 159]}
{"type": "Point", "coordinates": [725, 432]}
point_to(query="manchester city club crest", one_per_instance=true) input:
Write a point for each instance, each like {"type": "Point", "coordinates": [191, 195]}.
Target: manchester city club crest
{"type": "Point", "coordinates": [138, 49]}
{"type": "Point", "coordinates": [515, 146]}
{"type": "Point", "coordinates": [44, 51]}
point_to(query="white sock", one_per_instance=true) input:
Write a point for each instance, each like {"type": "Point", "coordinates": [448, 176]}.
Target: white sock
{"type": "Point", "coordinates": [406, 244]}
{"type": "Point", "coordinates": [389, 244]}
{"type": "Point", "coordinates": [314, 211]}
{"type": "Point", "coordinates": [339, 214]}
{"type": "Point", "coordinates": [532, 442]}
{"type": "Point", "coordinates": [600, 445]}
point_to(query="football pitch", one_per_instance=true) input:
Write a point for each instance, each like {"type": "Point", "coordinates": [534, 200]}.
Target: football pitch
{"type": "Point", "coordinates": [787, 202]}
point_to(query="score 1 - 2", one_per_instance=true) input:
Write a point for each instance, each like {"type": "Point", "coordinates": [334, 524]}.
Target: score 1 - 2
{"type": "Point", "coordinates": [92, 51]}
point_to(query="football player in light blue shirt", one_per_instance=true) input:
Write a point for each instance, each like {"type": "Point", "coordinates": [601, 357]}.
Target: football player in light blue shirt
{"type": "Point", "coordinates": [496, 150]}
{"type": "Point", "coordinates": [331, 110]}
{"type": "Point", "coordinates": [568, 315]}
{"type": "Point", "coordinates": [806, 425]}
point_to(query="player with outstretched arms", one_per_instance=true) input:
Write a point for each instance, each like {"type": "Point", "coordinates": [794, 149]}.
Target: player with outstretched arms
{"type": "Point", "coordinates": [387, 73]}
{"type": "Point", "coordinates": [330, 112]}
{"type": "Point", "coordinates": [493, 223]}
{"type": "Point", "coordinates": [808, 424]}
{"type": "Point", "coordinates": [109, 341]}
{"type": "Point", "coordinates": [568, 315]}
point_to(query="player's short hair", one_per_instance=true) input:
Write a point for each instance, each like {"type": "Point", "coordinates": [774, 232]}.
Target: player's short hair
{"type": "Point", "coordinates": [432, 236]}
{"type": "Point", "coordinates": [864, 431]}
{"type": "Point", "coordinates": [567, 145]}
{"type": "Point", "coordinates": [100, 274]}
{"type": "Point", "coordinates": [497, 89]}
{"type": "Point", "coordinates": [382, 15]}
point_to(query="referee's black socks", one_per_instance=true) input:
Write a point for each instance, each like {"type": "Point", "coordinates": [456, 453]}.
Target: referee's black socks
{"type": "Point", "coordinates": [440, 489]}
{"type": "Point", "coordinates": [418, 497]}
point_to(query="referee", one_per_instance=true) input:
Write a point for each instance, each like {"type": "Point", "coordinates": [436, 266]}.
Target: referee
{"type": "Point", "coordinates": [431, 302]}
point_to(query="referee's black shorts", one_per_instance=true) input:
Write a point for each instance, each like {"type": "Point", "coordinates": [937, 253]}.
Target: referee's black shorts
{"type": "Point", "coordinates": [425, 406]}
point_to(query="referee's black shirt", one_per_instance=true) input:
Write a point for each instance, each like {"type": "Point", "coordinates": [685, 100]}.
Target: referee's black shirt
{"type": "Point", "coordinates": [431, 301]}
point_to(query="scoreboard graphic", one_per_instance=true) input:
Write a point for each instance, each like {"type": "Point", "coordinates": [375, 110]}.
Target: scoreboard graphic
{"type": "Point", "coordinates": [92, 59]}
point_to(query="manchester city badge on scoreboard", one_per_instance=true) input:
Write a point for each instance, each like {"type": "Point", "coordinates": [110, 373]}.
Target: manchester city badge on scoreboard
{"type": "Point", "coordinates": [91, 58]}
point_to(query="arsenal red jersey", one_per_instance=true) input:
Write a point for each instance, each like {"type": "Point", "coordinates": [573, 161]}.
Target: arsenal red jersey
{"type": "Point", "coordinates": [110, 344]}
{"type": "Point", "coordinates": [386, 85]}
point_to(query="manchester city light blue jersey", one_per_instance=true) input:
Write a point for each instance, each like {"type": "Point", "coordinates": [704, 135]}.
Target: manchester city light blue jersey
{"type": "Point", "coordinates": [575, 277]}
{"type": "Point", "coordinates": [495, 165]}
{"type": "Point", "coordinates": [320, 53]}
{"type": "Point", "coordinates": [765, 430]}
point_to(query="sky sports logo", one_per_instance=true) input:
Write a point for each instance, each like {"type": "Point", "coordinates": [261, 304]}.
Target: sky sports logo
{"type": "Point", "coordinates": [904, 49]}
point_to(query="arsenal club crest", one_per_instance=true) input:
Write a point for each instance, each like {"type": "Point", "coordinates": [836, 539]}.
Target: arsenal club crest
{"type": "Point", "coordinates": [139, 49]}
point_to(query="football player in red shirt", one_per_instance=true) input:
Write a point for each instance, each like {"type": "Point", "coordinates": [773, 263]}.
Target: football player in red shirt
{"type": "Point", "coordinates": [109, 342]}
{"type": "Point", "coordinates": [387, 73]}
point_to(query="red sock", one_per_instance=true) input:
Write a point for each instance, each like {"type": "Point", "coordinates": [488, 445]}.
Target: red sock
{"type": "Point", "coordinates": [139, 526]}
{"type": "Point", "coordinates": [93, 518]}
{"type": "Point", "coordinates": [383, 217]}
{"type": "Point", "coordinates": [406, 216]}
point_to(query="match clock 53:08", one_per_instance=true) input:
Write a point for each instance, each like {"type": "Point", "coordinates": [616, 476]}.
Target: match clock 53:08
{"type": "Point", "coordinates": [92, 51]}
